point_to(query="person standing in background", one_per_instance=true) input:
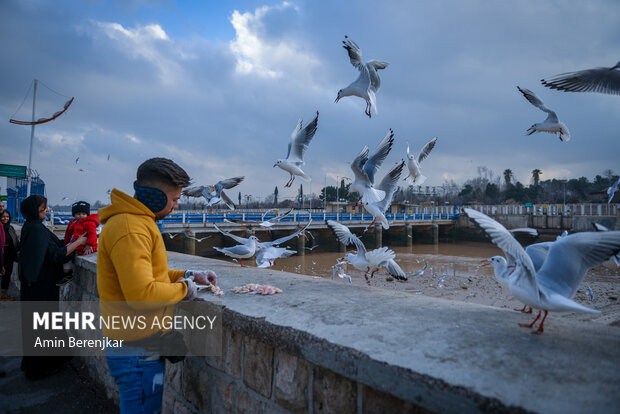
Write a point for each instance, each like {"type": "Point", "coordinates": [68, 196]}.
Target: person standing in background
{"type": "Point", "coordinates": [11, 249]}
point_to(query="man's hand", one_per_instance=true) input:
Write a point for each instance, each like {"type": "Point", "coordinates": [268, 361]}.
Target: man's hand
{"type": "Point", "coordinates": [81, 241]}
{"type": "Point", "coordinates": [191, 288]}
{"type": "Point", "coordinates": [202, 277]}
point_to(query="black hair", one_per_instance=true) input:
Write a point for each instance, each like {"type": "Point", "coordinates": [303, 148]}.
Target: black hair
{"type": "Point", "coordinates": [161, 171]}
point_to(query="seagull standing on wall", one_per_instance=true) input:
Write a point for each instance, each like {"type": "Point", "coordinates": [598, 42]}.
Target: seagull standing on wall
{"type": "Point", "coordinates": [368, 83]}
{"type": "Point", "coordinates": [300, 139]}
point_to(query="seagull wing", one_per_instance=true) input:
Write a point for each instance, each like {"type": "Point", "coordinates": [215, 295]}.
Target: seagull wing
{"type": "Point", "coordinates": [285, 238]}
{"type": "Point", "coordinates": [195, 191]}
{"type": "Point", "coordinates": [345, 236]}
{"type": "Point", "coordinates": [389, 184]}
{"type": "Point", "coordinates": [395, 270]}
{"type": "Point", "coordinates": [599, 227]}
{"type": "Point", "coordinates": [355, 53]}
{"type": "Point", "coordinates": [238, 239]}
{"type": "Point", "coordinates": [357, 166]}
{"type": "Point", "coordinates": [535, 100]}
{"type": "Point", "coordinates": [228, 201]}
{"type": "Point", "coordinates": [373, 66]}
{"type": "Point", "coordinates": [427, 149]}
{"type": "Point", "coordinates": [228, 183]}
{"type": "Point", "coordinates": [281, 216]}
{"type": "Point", "coordinates": [505, 241]}
{"type": "Point", "coordinates": [570, 258]}
{"type": "Point", "coordinates": [602, 80]}
{"type": "Point", "coordinates": [300, 139]}
{"type": "Point", "coordinates": [378, 156]}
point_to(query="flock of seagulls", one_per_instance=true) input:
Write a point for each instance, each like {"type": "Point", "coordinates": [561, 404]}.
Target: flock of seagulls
{"type": "Point", "coordinates": [544, 276]}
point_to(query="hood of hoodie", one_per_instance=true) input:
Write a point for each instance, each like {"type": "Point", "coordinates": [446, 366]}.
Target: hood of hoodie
{"type": "Point", "coordinates": [122, 204]}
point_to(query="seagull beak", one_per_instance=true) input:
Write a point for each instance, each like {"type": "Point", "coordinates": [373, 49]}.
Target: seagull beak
{"type": "Point", "coordinates": [337, 99]}
{"type": "Point", "coordinates": [275, 165]}
{"type": "Point", "coordinates": [485, 262]}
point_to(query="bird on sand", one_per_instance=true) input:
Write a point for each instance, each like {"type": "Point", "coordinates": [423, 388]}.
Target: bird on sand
{"type": "Point", "coordinates": [554, 284]}
{"type": "Point", "coordinates": [368, 82]}
{"type": "Point", "coordinates": [367, 261]}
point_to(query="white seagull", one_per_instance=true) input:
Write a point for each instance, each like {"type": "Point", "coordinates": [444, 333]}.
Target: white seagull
{"type": "Point", "coordinates": [240, 251]}
{"type": "Point", "coordinates": [368, 83]}
{"type": "Point", "coordinates": [389, 185]}
{"type": "Point", "coordinates": [263, 223]}
{"type": "Point", "coordinates": [215, 193]}
{"type": "Point", "coordinates": [552, 124]}
{"type": "Point", "coordinates": [602, 80]}
{"type": "Point", "coordinates": [300, 139]}
{"type": "Point", "coordinates": [267, 256]}
{"type": "Point", "coordinates": [364, 168]}
{"type": "Point", "coordinates": [611, 191]}
{"type": "Point", "coordinates": [367, 261]}
{"type": "Point", "coordinates": [554, 284]}
{"type": "Point", "coordinates": [265, 246]}
{"type": "Point", "coordinates": [413, 164]}
{"type": "Point", "coordinates": [600, 227]}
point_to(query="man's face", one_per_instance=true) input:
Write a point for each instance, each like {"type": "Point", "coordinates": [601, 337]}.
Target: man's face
{"type": "Point", "coordinates": [173, 194]}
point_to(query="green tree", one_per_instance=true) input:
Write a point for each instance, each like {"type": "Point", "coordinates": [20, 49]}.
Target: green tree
{"type": "Point", "coordinates": [536, 173]}
{"type": "Point", "coordinates": [508, 177]}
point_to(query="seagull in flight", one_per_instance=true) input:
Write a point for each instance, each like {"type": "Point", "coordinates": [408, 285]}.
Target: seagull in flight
{"type": "Point", "coordinates": [389, 185]}
{"type": "Point", "coordinates": [365, 166]}
{"type": "Point", "coordinates": [552, 286]}
{"type": "Point", "coordinates": [552, 124]}
{"type": "Point", "coordinates": [600, 227]}
{"type": "Point", "coordinates": [368, 82]}
{"type": "Point", "coordinates": [215, 193]}
{"type": "Point", "coordinates": [263, 223]}
{"type": "Point", "coordinates": [300, 139]}
{"type": "Point", "coordinates": [611, 191]}
{"type": "Point", "coordinates": [267, 256]}
{"type": "Point", "coordinates": [413, 164]}
{"type": "Point", "coordinates": [601, 80]}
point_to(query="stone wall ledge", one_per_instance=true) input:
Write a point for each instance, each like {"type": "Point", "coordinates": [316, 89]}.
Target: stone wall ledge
{"type": "Point", "coordinates": [444, 356]}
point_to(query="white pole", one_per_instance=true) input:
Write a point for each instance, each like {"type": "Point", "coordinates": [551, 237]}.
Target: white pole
{"type": "Point", "coordinates": [29, 172]}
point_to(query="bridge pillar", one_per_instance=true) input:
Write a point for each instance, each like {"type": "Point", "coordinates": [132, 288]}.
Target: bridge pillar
{"type": "Point", "coordinates": [409, 234]}
{"type": "Point", "coordinates": [378, 236]}
{"type": "Point", "coordinates": [435, 233]}
{"type": "Point", "coordinates": [189, 245]}
{"type": "Point", "coordinates": [301, 244]}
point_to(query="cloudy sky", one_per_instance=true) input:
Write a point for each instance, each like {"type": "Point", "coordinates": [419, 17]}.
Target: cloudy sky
{"type": "Point", "coordinates": [219, 86]}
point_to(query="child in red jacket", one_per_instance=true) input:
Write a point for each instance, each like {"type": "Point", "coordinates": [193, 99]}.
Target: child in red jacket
{"type": "Point", "coordinates": [83, 222]}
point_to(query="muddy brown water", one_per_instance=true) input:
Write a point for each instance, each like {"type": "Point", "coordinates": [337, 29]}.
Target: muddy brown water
{"type": "Point", "coordinates": [454, 272]}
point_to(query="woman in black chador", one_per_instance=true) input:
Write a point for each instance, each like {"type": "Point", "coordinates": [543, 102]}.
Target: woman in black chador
{"type": "Point", "coordinates": [42, 254]}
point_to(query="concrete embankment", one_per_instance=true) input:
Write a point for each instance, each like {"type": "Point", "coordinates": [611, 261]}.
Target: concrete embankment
{"type": "Point", "coordinates": [327, 346]}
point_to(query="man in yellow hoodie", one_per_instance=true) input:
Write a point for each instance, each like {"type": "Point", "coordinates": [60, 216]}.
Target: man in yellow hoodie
{"type": "Point", "coordinates": [134, 280]}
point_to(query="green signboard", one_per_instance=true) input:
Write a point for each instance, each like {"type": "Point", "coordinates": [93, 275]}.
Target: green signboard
{"type": "Point", "coordinates": [528, 204]}
{"type": "Point", "coordinates": [8, 170]}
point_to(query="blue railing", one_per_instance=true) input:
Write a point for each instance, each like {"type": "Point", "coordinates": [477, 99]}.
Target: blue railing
{"type": "Point", "coordinates": [190, 218]}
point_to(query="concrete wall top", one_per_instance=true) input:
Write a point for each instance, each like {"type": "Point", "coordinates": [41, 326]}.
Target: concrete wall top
{"type": "Point", "coordinates": [446, 356]}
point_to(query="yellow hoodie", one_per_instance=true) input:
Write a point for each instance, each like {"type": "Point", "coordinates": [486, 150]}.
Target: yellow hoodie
{"type": "Point", "coordinates": [133, 278]}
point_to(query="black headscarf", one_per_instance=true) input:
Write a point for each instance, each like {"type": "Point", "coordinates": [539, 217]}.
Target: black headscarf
{"type": "Point", "coordinates": [34, 238]}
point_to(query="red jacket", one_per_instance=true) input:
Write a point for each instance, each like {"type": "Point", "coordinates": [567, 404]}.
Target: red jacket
{"type": "Point", "coordinates": [77, 227]}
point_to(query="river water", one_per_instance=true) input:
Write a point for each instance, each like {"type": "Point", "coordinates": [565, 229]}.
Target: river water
{"type": "Point", "coordinates": [454, 272]}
